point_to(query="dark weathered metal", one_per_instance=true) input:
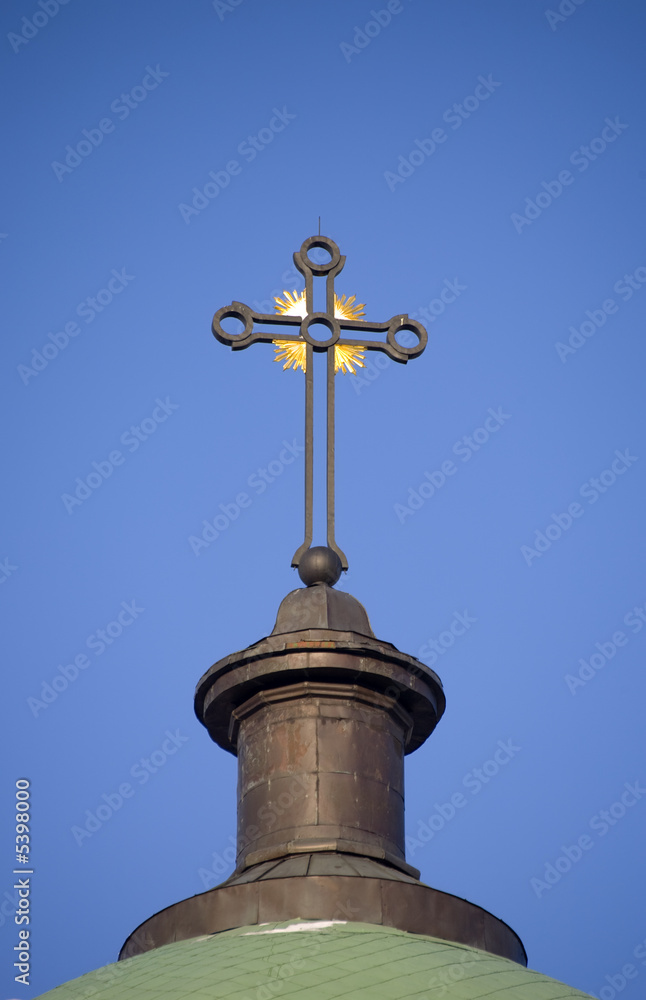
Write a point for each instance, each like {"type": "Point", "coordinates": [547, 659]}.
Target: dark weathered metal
{"type": "Point", "coordinates": [320, 564]}
{"type": "Point", "coordinates": [320, 715]}
{"type": "Point", "coordinates": [321, 768]}
{"type": "Point", "coordinates": [321, 635]}
{"type": "Point", "coordinates": [322, 607]}
{"type": "Point", "coordinates": [310, 268]}
{"type": "Point", "coordinates": [328, 887]}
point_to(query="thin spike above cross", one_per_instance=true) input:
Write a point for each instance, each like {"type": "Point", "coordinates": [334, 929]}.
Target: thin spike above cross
{"type": "Point", "coordinates": [343, 353]}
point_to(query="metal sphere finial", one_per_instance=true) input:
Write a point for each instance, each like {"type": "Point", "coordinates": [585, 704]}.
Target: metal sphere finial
{"type": "Point", "coordinates": [319, 564]}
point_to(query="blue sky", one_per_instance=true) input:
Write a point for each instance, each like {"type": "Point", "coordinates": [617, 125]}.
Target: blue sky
{"type": "Point", "coordinates": [492, 154]}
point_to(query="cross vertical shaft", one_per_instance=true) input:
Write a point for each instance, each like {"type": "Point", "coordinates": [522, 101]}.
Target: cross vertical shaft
{"type": "Point", "coordinates": [299, 349]}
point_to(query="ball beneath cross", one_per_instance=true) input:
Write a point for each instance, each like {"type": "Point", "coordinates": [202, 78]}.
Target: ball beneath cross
{"type": "Point", "coordinates": [320, 564]}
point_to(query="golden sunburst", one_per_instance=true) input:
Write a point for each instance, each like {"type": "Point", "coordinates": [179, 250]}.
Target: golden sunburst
{"type": "Point", "coordinates": [348, 310]}
{"type": "Point", "coordinates": [345, 358]}
{"type": "Point", "coordinates": [293, 304]}
{"type": "Point", "coordinates": [293, 353]}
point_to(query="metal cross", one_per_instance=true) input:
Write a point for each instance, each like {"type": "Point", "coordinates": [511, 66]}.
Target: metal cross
{"type": "Point", "coordinates": [309, 343]}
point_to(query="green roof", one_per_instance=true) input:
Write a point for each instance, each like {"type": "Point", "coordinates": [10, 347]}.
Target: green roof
{"type": "Point", "coordinates": [317, 960]}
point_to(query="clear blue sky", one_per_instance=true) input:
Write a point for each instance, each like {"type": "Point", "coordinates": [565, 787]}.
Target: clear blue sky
{"type": "Point", "coordinates": [484, 152]}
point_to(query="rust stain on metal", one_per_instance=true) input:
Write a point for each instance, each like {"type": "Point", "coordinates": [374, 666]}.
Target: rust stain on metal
{"type": "Point", "coordinates": [311, 644]}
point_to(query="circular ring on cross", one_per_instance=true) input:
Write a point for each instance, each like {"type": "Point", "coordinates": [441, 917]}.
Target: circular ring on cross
{"type": "Point", "coordinates": [239, 311]}
{"type": "Point", "coordinates": [321, 319]}
{"type": "Point", "coordinates": [323, 243]}
{"type": "Point", "coordinates": [399, 324]}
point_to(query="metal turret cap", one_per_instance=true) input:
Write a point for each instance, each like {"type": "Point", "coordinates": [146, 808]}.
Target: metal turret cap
{"type": "Point", "coordinates": [321, 607]}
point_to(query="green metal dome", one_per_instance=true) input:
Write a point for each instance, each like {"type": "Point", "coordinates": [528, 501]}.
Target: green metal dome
{"type": "Point", "coordinates": [314, 960]}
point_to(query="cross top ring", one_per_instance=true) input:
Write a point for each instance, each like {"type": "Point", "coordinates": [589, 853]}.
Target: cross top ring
{"type": "Point", "coordinates": [344, 352]}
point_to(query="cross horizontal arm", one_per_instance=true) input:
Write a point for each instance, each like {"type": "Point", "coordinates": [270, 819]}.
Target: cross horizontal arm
{"type": "Point", "coordinates": [247, 337]}
{"type": "Point", "coordinates": [239, 311]}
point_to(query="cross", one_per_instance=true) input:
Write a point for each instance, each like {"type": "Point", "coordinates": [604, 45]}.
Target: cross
{"type": "Point", "coordinates": [343, 352]}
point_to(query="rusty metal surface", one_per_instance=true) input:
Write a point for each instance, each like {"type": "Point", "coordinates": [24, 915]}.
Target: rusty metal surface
{"type": "Point", "coordinates": [320, 762]}
{"type": "Point", "coordinates": [354, 847]}
{"type": "Point", "coordinates": [411, 907]}
{"type": "Point", "coordinates": [323, 655]}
